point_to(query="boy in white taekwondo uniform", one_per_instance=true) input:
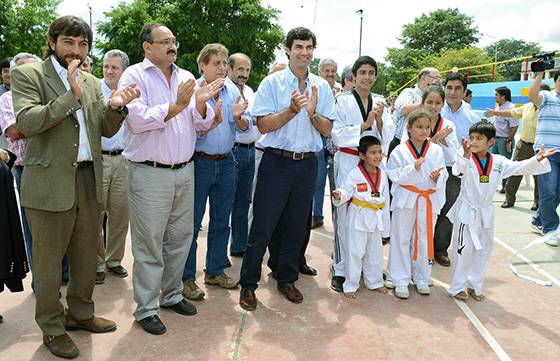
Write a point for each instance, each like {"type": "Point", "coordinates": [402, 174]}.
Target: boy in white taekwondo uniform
{"type": "Point", "coordinates": [417, 170]}
{"type": "Point", "coordinates": [358, 113]}
{"type": "Point", "coordinates": [366, 189]}
{"type": "Point", "coordinates": [472, 214]}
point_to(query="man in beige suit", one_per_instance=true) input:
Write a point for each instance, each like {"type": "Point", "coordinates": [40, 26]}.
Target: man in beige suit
{"type": "Point", "coordinates": [61, 112]}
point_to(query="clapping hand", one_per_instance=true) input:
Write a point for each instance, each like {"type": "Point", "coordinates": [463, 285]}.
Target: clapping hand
{"type": "Point", "coordinates": [297, 102]}
{"type": "Point", "coordinates": [122, 96]}
{"type": "Point", "coordinates": [466, 148]}
{"type": "Point", "coordinates": [442, 134]}
{"type": "Point", "coordinates": [418, 163]}
{"type": "Point", "coordinates": [311, 105]}
{"type": "Point", "coordinates": [545, 153]}
{"type": "Point", "coordinates": [239, 107]}
{"type": "Point", "coordinates": [4, 155]}
{"type": "Point", "coordinates": [205, 91]}
{"type": "Point", "coordinates": [434, 175]}
{"type": "Point", "coordinates": [185, 91]}
{"type": "Point", "coordinates": [378, 110]}
{"type": "Point", "coordinates": [74, 79]}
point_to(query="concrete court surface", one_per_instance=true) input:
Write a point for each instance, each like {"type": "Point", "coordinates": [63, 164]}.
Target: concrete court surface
{"type": "Point", "coordinates": [519, 320]}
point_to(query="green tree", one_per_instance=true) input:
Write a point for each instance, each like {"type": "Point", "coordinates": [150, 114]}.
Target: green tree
{"type": "Point", "coordinates": [241, 25]}
{"type": "Point", "coordinates": [462, 58]}
{"type": "Point", "coordinates": [24, 25]}
{"type": "Point", "coordinates": [506, 49]}
{"type": "Point", "coordinates": [428, 36]}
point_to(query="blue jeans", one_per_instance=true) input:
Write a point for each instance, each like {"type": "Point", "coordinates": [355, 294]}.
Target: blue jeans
{"type": "Point", "coordinates": [549, 196]}
{"type": "Point", "coordinates": [319, 195]}
{"type": "Point", "coordinates": [27, 232]}
{"type": "Point", "coordinates": [214, 179]}
{"type": "Point", "coordinates": [244, 172]}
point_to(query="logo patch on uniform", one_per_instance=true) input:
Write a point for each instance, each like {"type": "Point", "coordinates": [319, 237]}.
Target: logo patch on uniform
{"type": "Point", "coordinates": [362, 187]}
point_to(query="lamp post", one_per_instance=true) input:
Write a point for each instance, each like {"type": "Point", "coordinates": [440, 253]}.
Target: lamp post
{"type": "Point", "coordinates": [361, 14]}
{"type": "Point", "coordinates": [90, 19]}
{"type": "Point", "coordinates": [495, 53]}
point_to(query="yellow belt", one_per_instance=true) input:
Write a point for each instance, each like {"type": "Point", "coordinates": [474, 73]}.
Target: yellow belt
{"type": "Point", "coordinates": [364, 204]}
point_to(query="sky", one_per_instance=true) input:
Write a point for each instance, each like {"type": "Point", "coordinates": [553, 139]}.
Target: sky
{"type": "Point", "coordinates": [337, 26]}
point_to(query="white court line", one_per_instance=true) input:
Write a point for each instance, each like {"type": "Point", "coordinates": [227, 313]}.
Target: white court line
{"type": "Point", "coordinates": [483, 331]}
{"type": "Point", "coordinates": [529, 262]}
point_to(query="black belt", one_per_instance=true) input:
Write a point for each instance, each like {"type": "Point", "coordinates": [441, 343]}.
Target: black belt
{"type": "Point", "coordinates": [293, 155]}
{"type": "Point", "coordinates": [151, 163]}
{"type": "Point", "coordinates": [211, 156]}
{"type": "Point", "coordinates": [261, 149]}
{"type": "Point", "coordinates": [112, 152]}
{"type": "Point", "coordinates": [245, 145]}
{"type": "Point", "coordinates": [18, 167]}
{"type": "Point", "coordinates": [84, 164]}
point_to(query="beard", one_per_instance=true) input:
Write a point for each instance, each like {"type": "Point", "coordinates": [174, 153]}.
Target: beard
{"type": "Point", "coordinates": [62, 61]}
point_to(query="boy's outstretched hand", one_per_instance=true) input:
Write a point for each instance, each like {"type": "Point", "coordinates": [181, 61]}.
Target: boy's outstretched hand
{"type": "Point", "coordinates": [545, 153]}
{"type": "Point", "coordinates": [466, 148]}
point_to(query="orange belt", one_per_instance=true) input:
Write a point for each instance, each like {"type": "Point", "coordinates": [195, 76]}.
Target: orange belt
{"type": "Point", "coordinates": [429, 223]}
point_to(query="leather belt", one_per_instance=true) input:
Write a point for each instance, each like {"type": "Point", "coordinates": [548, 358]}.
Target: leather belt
{"type": "Point", "coordinates": [84, 164]}
{"type": "Point", "coordinates": [211, 156]}
{"type": "Point", "coordinates": [112, 152]}
{"type": "Point", "coordinates": [261, 149]}
{"type": "Point", "coordinates": [151, 163]}
{"type": "Point", "coordinates": [293, 155]}
{"type": "Point", "coordinates": [245, 145]}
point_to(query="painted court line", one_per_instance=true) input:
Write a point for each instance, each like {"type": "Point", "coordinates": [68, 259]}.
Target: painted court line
{"type": "Point", "coordinates": [529, 262]}
{"type": "Point", "coordinates": [483, 331]}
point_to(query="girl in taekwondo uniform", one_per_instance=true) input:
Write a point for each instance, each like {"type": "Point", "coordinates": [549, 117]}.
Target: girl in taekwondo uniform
{"type": "Point", "coordinates": [472, 214]}
{"type": "Point", "coordinates": [417, 169]}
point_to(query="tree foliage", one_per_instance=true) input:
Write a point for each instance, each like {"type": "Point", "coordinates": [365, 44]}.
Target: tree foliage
{"type": "Point", "coordinates": [241, 25]}
{"type": "Point", "coordinates": [506, 49]}
{"type": "Point", "coordinates": [24, 25]}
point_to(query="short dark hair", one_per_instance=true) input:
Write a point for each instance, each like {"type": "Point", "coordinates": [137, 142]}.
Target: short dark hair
{"type": "Point", "coordinates": [415, 115]}
{"type": "Point", "coordinates": [363, 60]}
{"type": "Point", "coordinates": [456, 76]}
{"type": "Point", "coordinates": [5, 63]}
{"type": "Point", "coordinates": [146, 34]}
{"type": "Point", "coordinates": [555, 75]}
{"type": "Point", "coordinates": [485, 128]}
{"type": "Point", "coordinates": [69, 25]}
{"type": "Point", "coordinates": [545, 87]}
{"type": "Point", "coordinates": [504, 91]}
{"type": "Point", "coordinates": [366, 142]}
{"type": "Point", "coordinates": [433, 89]}
{"type": "Point", "coordinates": [299, 33]}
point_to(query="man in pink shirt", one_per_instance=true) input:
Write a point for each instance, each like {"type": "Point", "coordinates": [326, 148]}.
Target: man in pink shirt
{"type": "Point", "coordinates": [159, 140]}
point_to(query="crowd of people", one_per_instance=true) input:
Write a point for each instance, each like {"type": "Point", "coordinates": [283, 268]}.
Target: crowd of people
{"type": "Point", "coordinates": [150, 147]}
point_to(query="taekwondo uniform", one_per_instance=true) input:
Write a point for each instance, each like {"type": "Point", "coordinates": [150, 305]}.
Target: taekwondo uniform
{"type": "Point", "coordinates": [367, 220]}
{"type": "Point", "coordinates": [417, 200]}
{"type": "Point", "coordinates": [346, 134]}
{"type": "Point", "coordinates": [472, 214]}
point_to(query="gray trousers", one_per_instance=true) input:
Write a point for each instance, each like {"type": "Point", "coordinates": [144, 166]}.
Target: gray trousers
{"type": "Point", "coordinates": [444, 228]}
{"type": "Point", "coordinates": [115, 186]}
{"type": "Point", "coordinates": [161, 209]}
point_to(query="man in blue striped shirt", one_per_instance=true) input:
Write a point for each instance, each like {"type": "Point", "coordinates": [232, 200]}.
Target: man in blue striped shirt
{"type": "Point", "coordinates": [548, 133]}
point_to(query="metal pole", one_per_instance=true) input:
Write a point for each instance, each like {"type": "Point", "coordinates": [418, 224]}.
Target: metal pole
{"type": "Point", "coordinates": [361, 13]}
{"type": "Point", "coordinates": [90, 18]}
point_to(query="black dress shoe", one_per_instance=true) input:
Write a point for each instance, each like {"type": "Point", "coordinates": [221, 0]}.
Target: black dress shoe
{"type": "Point", "coordinates": [506, 204]}
{"type": "Point", "coordinates": [291, 293]}
{"type": "Point", "coordinates": [153, 325]}
{"type": "Point", "coordinates": [183, 307]}
{"type": "Point", "coordinates": [534, 207]}
{"type": "Point", "coordinates": [237, 254]}
{"type": "Point", "coordinates": [306, 270]}
{"type": "Point", "coordinates": [99, 278]}
{"type": "Point", "coordinates": [336, 283]}
{"type": "Point", "coordinates": [118, 271]}
{"type": "Point", "coordinates": [247, 299]}
{"type": "Point", "coordinates": [316, 223]}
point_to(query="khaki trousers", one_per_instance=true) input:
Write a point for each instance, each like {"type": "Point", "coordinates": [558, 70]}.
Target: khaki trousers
{"type": "Point", "coordinates": [71, 233]}
{"type": "Point", "coordinates": [115, 203]}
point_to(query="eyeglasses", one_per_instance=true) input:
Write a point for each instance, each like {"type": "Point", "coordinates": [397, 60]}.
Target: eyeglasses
{"type": "Point", "coordinates": [434, 77]}
{"type": "Point", "coordinates": [167, 43]}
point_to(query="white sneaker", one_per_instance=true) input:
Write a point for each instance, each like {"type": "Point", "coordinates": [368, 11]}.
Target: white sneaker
{"type": "Point", "coordinates": [388, 283]}
{"type": "Point", "coordinates": [537, 229]}
{"type": "Point", "coordinates": [553, 240]}
{"type": "Point", "coordinates": [423, 290]}
{"type": "Point", "coordinates": [431, 282]}
{"type": "Point", "coordinates": [402, 292]}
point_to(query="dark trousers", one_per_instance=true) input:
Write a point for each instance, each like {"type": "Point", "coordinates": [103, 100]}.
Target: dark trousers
{"type": "Point", "coordinates": [274, 246]}
{"type": "Point", "coordinates": [523, 150]}
{"type": "Point", "coordinates": [396, 141]}
{"type": "Point", "coordinates": [282, 202]}
{"type": "Point", "coordinates": [444, 228]}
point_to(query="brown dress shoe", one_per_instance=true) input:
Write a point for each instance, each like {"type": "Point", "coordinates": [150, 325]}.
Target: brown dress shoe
{"type": "Point", "coordinates": [61, 346]}
{"type": "Point", "coordinates": [94, 324]}
{"type": "Point", "coordinates": [291, 293]}
{"type": "Point", "coordinates": [443, 260]}
{"type": "Point", "coordinates": [247, 299]}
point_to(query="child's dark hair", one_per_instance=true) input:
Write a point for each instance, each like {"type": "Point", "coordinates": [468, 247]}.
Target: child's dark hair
{"type": "Point", "coordinates": [433, 89]}
{"type": "Point", "coordinates": [366, 142]}
{"type": "Point", "coordinates": [485, 128]}
{"type": "Point", "coordinates": [417, 114]}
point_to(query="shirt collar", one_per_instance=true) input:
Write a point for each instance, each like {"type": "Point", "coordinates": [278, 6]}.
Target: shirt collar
{"type": "Point", "coordinates": [458, 109]}
{"type": "Point", "coordinates": [63, 73]}
{"type": "Point", "coordinates": [292, 79]}
{"type": "Point", "coordinates": [146, 63]}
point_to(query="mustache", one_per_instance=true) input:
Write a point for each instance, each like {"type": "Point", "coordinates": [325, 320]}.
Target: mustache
{"type": "Point", "coordinates": [242, 77]}
{"type": "Point", "coordinates": [171, 51]}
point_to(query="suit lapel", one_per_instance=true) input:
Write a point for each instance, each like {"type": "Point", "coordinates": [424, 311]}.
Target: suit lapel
{"type": "Point", "coordinates": [53, 79]}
